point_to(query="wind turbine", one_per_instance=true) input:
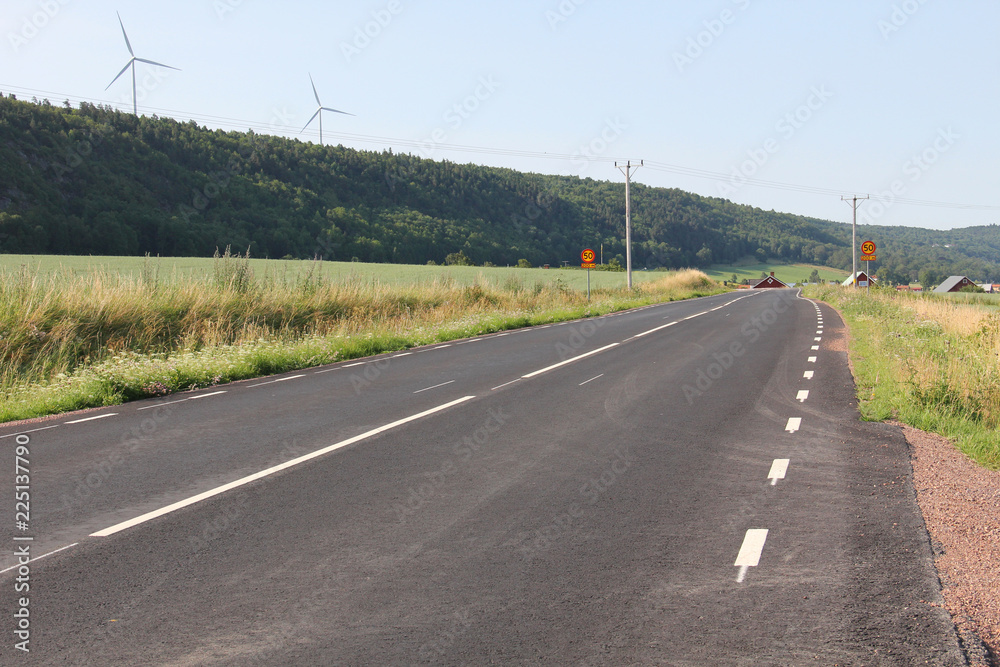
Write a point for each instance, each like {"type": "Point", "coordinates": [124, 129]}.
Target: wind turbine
{"type": "Point", "coordinates": [319, 112]}
{"type": "Point", "coordinates": [131, 63]}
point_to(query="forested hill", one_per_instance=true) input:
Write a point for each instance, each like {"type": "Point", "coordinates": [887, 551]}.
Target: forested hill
{"type": "Point", "coordinates": [96, 181]}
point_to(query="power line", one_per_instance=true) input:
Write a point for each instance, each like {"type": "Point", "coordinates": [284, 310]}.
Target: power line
{"type": "Point", "coordinates": [391, 142]}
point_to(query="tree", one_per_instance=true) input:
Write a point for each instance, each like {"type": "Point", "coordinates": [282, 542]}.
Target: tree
{"type": "Point", "coordinates": [523, 264]}
{"type": "Point", "coordinates": [814, 277]}
{"type": "Point", "coordinates": [929, 278]}
{"type": "Point", "coordinates": [457, 259]}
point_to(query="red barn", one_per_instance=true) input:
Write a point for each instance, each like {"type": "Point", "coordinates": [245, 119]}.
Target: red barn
{"type": "Point", "coordinates": [770, 281]}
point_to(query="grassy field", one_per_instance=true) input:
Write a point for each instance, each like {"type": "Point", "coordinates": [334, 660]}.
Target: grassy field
{"type": "Point", "coordinates": [930, 361]}
{"type": "Point", "coordinates": [290, 272]}
{"type": "Point", "coordinates": [76, 340]}
{"type": "Point", "coordinates": [788, 273]}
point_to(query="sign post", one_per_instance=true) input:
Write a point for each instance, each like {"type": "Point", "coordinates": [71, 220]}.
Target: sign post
{"type": "Point", "coordinates": [868, 255]}
{"type": "Point", "coordinates": [588, 256]}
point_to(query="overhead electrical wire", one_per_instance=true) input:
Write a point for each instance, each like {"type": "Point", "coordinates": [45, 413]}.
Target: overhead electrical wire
{"type": "Point", "coordinates": [430, 146]}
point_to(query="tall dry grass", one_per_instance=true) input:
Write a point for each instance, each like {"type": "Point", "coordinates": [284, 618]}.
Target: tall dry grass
{"type": "Point", "coordinates": [101, 338]}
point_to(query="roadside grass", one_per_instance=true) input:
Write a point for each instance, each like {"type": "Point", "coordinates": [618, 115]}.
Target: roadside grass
{"type": "Point", "coordinates": [929, 362]}
{"type": "Point", "coordinates": [69, 342]}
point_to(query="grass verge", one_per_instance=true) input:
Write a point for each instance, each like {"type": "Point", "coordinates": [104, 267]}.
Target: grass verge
{"type": "Point", "coordinates": [69, 343]}
{"type": "Point", "coordinates": [929, 362]}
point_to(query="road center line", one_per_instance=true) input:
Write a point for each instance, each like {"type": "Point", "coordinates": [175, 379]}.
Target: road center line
{"type": "Point", "coordinates": [591, 379]}
{"type": "Point", "coordinates": [500, 386]}
{"type": "Point", "coordinates": [802, 396]}
{"type": "Point", "coordinates": [808, 375]}
{"type": "Point", "coordinates": [293, 377]}
{"type": "Point", "coordinates": [569, 361]}
{"type": "Point", "coordinates": [794, 424]}
{"type": "Point", "coordinates": [420, 391]}
{"type": "Point", "coordinates": [811, 360]}
{"type": "Point", "coordinates": [270, 471]}
{"type": "Point", "coordinates": [646, 333]}
{"type": "Point", "coordinates": [90, 419]}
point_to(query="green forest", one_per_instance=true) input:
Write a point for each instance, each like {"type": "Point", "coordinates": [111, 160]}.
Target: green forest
{"type": "Point", "coordinates": [92, 180]}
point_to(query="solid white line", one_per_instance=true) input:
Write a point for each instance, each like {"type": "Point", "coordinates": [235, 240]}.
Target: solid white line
{"type": "Point", "coordinates": [753, 545]}
{"type": "Point", "coordinates": [591, 379]}
{"type": "Point", "coordinates": [34, 430]}
{"type": "Point", "coordinates": [569, 361]}
{"type": "Point", "coordinates": [270, 471]}
{"type": "Point", "coordinates": [778, 470]}
{"type": "Point", "coordinates": [90, 419]}
{"type": "Point", "coordinates": [14, 567]}
{"type": "Point", "coordinates": [646, 333]}
{"type": "Point", "coordinates": [808, 375]}
{"type": "Point", "coordinates": [262, 384]}
{"type": "Point", "coordinates": [420, 391]}
{"type": "Point", "coordinates": [359, 363]}
{"type": "Point", "coordinates": [183, 400]}
{"type": "Point", "coordinates": [802, 396]}
{"type": "Point", "coordinates": [500, 386]}
{"type": "Point", "coordinates": [811, 360]}
{"type": "Point", "coordinates": [794, 423]}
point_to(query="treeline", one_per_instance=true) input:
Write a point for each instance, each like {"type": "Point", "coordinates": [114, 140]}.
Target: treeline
{"type": "Point", "coordinates": [97, 181]}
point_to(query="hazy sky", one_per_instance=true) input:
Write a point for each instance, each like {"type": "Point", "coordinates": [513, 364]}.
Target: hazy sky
{"type": "Point", "coordinates": [854, 96]}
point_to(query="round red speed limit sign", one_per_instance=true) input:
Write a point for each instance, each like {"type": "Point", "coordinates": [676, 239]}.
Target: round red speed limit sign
{"type": "Point", "coordinates": [868, 247]}
{"type": "Point", "coordinates": [588, 256]}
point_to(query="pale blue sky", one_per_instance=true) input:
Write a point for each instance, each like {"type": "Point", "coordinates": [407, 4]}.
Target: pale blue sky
{"type": "Point", "coordinates": [887, 81]}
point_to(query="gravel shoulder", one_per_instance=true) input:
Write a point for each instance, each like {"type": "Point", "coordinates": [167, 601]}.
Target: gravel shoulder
{"type": "Point", "coordinates": [960, 502]}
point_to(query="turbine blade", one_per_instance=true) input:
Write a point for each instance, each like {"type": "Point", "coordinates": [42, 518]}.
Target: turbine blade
{"type": "Point", "coordinates": [150, 62]}
{"type": "Point", "coordinates": [124, 69]}
{"type": "Point", "coordinates": [314, 90]}
{"type": "Point", "coordinates": [318, 111]}
{"type": "Point", "coordinates": [337, 111]}
{"type": "Point", "coordinates": [127, 43]}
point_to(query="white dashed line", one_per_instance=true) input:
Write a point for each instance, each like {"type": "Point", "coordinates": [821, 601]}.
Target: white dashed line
{"type": "Point", "coordinates": [360, 363]}
{"type": "Point", "coordinates": [34, 430]}
{"type": "Point", "coordinates": [183, 400]}
{"type": "Point", "coordinates": [808, 375]}
{"type": "Point", "coordinates": [262, 384]}
{"type": "Point", "coordinates": [811, 360]}
{"type": "Point", "coordinates": [90, 419]}
{"type": "Point", "coordinates": [68, 546]}
{"type": "Point", "coordinates": [441, 347]}
{"type": "Point", "coordinates": [749, 556]}
{"type": "Point", "coordinates": [815, 347]}
{"type": "Point", "coordinates": [569, 361]}
{"type": "Point", "coordinates": [402, 354]}
{"type": "Point", "coordinates": [591, 379]}
{"type": "Point", "coordinates": [646, 333]}
{"type": "Point", "coordinates": [420, 391]}
{"type": "Point", "coordinates": [501, 386]}
{"type": "Point", "coordinates": [817, 339]}
{"type": "Point", "coordinates": [778, 470]}
{"type": "Point", "coordinates": [270, 471]}
{"type": "Point", "coordinates": [802, 396]}
{"type": "Point", "coordinates": [794, 423]}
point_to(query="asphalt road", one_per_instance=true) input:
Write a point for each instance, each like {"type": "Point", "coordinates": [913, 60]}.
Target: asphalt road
{"type": "Point", "coordinates": [684, 484]}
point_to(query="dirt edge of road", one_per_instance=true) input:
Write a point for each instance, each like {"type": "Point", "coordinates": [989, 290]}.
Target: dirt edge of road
{"type": "Point", "coordinates": [960, 502]}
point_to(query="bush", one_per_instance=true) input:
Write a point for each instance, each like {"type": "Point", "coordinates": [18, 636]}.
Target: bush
{"type": "Point", "coordinates": [523, 264]}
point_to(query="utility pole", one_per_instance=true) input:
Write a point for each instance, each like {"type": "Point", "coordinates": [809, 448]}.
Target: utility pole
{"type": "Point", "coordinates": [627, 169]}
{"type": "Point", "coordinates": [853, 201]}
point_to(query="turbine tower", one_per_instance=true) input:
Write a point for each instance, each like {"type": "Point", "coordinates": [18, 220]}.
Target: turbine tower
{"type": "Point", "coordinates": [131, 63]}
{"type": "Point", "coordinates": [319, 112]}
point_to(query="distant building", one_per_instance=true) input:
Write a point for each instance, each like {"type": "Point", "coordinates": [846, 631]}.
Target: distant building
{"type": "Point", "coordinates": [863, 280]}
{"type": "Point", "coordinates": [954, 284]}
{"type": "Point", "coordinates": [769, 281]}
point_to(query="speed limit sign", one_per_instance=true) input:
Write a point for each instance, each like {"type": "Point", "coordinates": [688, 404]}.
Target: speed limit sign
{"type": "Point", "coordinates": [868, 247]}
